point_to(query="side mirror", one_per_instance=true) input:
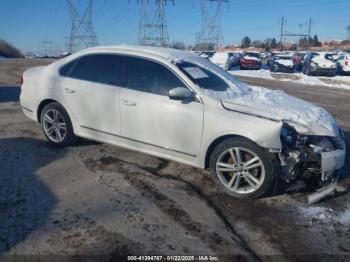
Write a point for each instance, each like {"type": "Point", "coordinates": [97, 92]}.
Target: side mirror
{"type": "Point", "coordinates": [181, 93]}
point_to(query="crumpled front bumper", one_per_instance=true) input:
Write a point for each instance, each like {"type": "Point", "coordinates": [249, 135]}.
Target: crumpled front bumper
{"type": "Point", "coordinates": [333, 160]}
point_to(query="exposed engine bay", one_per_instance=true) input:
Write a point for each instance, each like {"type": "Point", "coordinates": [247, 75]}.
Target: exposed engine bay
{"type": "Point", "coordinates": [301, 155]}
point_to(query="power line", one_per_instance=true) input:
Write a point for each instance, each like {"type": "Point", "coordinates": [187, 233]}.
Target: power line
{"type": "Point", "coordinates": [284, 32]}
{"type": "Point", "coordinates": [211, 33]}
{"type": "Point", "coordinates": [82, 33]}
{"type": "Point", "coordinates": [153, 29]}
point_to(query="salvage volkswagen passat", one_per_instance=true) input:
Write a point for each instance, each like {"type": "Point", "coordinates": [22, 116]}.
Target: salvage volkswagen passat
{"type": "Point", "coordinates": [179, 106]}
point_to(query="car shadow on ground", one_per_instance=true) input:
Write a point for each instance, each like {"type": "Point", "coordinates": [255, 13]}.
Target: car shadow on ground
{"type": "Point", "coordinates": [9, 94]}
{"type": "Point", "coordinates": [25, 201]}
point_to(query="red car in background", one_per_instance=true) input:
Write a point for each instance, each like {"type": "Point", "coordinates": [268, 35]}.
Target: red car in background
{"type": "Point", "coordinates": [298, 60]}
{"type": "Point", "coordinates": [250, 60]}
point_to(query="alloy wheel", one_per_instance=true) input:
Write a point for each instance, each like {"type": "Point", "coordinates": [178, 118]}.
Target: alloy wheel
{"type": "Point", "coordinates": [240, 170]}
{"type": "Point", "coordinates": [54, 125]}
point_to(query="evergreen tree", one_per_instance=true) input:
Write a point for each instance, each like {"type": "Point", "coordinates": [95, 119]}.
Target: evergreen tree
{"type": "Point", "coordinates": [245, 42]}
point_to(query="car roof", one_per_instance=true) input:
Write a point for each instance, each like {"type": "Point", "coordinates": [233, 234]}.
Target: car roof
{"type": "Point", "coordinates": [161, 52]}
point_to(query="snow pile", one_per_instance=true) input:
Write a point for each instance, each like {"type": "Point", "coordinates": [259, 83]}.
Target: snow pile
{"type": "Point", "coordinates": [262, 73]}
{"type": "Point", "coordinates": [314, 213]}
{"type": "Point", "coordinates": [301, 78]}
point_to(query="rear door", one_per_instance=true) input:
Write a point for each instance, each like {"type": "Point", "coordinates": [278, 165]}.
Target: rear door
{"type": "Point", "coordinates": [91, 88]}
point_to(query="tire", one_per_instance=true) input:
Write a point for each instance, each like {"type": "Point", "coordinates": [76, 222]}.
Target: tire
{"type": "Point", "coordinates": [59, 127]}
{"type": "Point", "coordinates": [264, 174]}
{"type": "Point", "coordinates": [308, 72]}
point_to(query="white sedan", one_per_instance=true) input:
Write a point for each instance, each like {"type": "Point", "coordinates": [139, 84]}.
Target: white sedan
{"type": "Point", "coordinates": [179, 106]}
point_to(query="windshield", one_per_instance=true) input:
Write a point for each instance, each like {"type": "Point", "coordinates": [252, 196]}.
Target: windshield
{"type": "Point", "coordinates": [202, 77]}
{"type": "Point", "coordinates": [283, 58]}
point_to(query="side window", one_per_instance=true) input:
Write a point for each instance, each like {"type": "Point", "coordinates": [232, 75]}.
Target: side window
{"type": "Point", "coordinates": [151, 77]}
{"type": "Point", "coordinates": [99, 68]}
{"type": "Point", "coordinates": [67, 69]}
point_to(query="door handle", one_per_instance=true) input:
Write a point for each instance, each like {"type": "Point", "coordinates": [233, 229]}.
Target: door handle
{"type": "Point", "coordinates": [70, 91]}
{"type": "Point", "coordinates": [128, 103]}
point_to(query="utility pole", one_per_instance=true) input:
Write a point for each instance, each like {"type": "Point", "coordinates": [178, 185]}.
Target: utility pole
{"type": "Point", "coordinates": [82, 33]}
{"type": "Point", "coordinates": [310, 24]}
{"type": "Point", "coordinates": [282, 26]}
{"type": "Point", "coordinates": [300, 29]}
{"type": "Point", "coordinates": [300, 34]}
{"type": "Point", "coordinates": [211, 33]}
{"type": "Point", "coordinates": [153, 29]}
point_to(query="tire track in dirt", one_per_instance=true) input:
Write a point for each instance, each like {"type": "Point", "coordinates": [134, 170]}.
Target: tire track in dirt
{"type": "Point", "coordinates": [169, 206]}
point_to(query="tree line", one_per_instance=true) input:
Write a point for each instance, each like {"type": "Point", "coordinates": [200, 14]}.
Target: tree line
{"type": "Point", "coordinates": [271, 43]}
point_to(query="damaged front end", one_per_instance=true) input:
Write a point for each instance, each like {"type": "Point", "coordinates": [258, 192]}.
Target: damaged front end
{"type": "Point", "coordinates": [311, 155]}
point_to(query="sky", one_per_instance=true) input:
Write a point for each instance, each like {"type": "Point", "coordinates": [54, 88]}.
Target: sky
{"type": "Point", "coordinates": [29, 23]}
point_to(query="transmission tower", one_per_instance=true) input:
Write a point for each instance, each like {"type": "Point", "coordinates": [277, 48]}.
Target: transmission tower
{"type": "Point", "coordinates": [82, 34]}
{"type": "Point", "coordinates": [153, 29]}
{"type": "Point", "coordinates": [211, 23]}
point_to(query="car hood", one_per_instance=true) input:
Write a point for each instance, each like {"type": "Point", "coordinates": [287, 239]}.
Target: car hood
{"type": "Point", "coordinates": [305, 117]}
{"type": "Point", "coordinates": [287, 63]}
{"type": "Point", "coordinates": [323, 62]}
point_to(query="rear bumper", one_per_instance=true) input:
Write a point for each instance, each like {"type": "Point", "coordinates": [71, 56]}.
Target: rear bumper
{"type": "Point", "coordinates": [248, 66]}
{"type": "Point", "coordinates": [323, 71]}
{"type": "Point", "coordinates": [283, 69]}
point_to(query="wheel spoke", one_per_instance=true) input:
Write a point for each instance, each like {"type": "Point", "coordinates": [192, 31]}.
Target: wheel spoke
{"type": "Point", "coordinates": [50, 130]}
{"type": "Point", "coordinates": [232, 154]}
{"type": "Point", "coordinates": [55, 115]}
{"type": "Point", "coordinates": [259, 164]}
{"type": "Point", "coordinates": [251, 161]}
{"type": "Point", "coordinates": [221, 164]}
{"type": "Point", "coordinates": [232, 180]}
{"type": "Point", "coordinates": [249, 177]}
{"type": "Point", "coordinates": [62, 126]}
{"type": "Point", "coordinates": [250, 182]}
{"type": "Point", "coordinates": [224, 167]}
{"type": "Point", "coordinates": [59, 134]}
{"type": "Point", "coordinates": [235, 187]}
{"type": "Point", "coordinates": [238, 155]}
{"type": "Point", "coordinates": [48, 119]}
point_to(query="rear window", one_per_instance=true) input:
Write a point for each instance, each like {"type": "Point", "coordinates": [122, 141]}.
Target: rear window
{"type": "Point", "coordinates": [99, 68]}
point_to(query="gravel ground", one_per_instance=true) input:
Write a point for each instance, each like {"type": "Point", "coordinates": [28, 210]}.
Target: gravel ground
{"type": "Point", "coordinates": [98, 199]}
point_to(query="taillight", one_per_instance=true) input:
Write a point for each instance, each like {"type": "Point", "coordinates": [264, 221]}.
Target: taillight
{"type": "Point", "coordinates": [21, 80]}
{"type": "Point", "coordinates": [346, 63]}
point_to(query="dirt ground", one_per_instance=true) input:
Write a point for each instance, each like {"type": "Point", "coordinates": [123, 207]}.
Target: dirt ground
{"type": "Point", "coordinates": [98, 199]}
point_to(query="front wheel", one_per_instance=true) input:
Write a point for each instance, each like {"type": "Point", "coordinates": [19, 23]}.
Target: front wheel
{"type": "Point", "coordinates": [56, 125]}
{"type": "Point", "coordinates": [242, 168]}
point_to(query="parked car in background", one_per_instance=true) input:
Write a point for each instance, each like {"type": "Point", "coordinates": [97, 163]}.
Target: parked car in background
{"type": "Point", "coordinates": [207, 54]}
{"type": "Point", "coordinates": [299, 59]}
{"type": "Point", "coordinates": [222, 59]}
{"type": "Point", "coordinates": [178, 106]}
{"type": "Point", "coordinates": [235, 57]}
{"type": "Point", "coordinates": [250, 60]}
{"type": "Point", "coordinates": [343, 64]}
{"type": "Point", "coordinates": [271, 56]}
{"type": "Point", "coordinates": [319, 64]}
{"type": "Point", "coordinates": [282, 63]}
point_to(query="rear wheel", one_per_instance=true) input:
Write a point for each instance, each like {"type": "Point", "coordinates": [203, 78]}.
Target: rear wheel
{"type": "Point", "coordinates": [56, 125]}
{"type": "Point", "coordinates": [241, 168]}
